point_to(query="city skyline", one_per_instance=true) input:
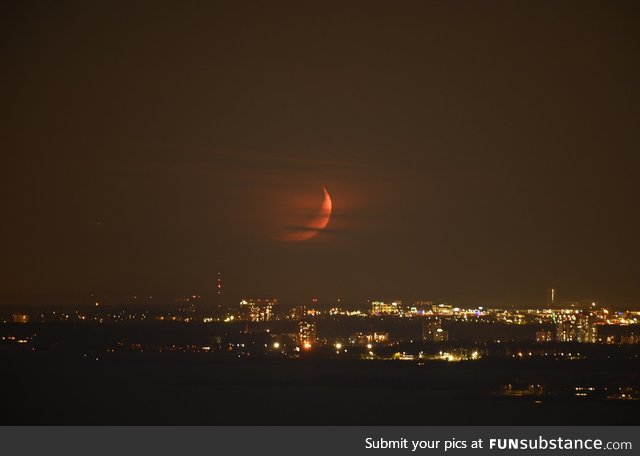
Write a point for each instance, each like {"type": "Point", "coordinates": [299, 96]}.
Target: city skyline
{"type": "Point", "coordinates": [218, 294]}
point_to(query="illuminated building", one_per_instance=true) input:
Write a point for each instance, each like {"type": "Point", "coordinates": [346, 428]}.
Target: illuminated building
{"type": "Point", "coordinates": [20, 318]}
{"type": "Point", "coordinates": [298, 312]}
{"type": "Point", "coordinates": [380, 337]}
{"type": "Point", "coordinates": [349, 313]}
{"type": "Point", "coordinates": [588, 331]}
{"type": "Point", "coordinates": [433, 332]}
{"type": "Point", "coordinates": [420, 308]}
{"type": "Point", "coordinates": [442, 309]}
{"type": "Point", "coordinates": [544, 336]}
{"type": "Point", "coordinates": [307, 334]}
{"type": "Point", "coordinates": [579, 328]}
{"type": "Point", "coordinates": [257, 309]}
{"type": "Point", "coordinates": [384, 308]}
{"type": "Point", "coordinates": [630, 339]}
{"type": "Point", "coordinates": [360, 338]}
{"type": "Point", "coordinates": [565, 332]}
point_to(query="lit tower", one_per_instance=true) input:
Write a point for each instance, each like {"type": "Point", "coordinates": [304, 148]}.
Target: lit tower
{"type": "Point", "coordinates": [552, 297]}
{"type": "Point", "coordinates": [219, 297]}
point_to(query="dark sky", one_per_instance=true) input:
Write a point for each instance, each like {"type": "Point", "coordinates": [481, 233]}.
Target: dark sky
{"type": "Point", "coordinates": [476, 152]}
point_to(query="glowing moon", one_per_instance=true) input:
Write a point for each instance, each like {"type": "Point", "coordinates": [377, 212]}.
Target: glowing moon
{"type": "Point", "coordinates": [315, 225]}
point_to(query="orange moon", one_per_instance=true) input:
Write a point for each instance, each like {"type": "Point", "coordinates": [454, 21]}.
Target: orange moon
{"type": "Point", "coordinates": [315, 225]}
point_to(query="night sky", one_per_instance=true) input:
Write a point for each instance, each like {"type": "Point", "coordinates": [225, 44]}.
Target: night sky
{"type": "Point", "coordinates": [475, 152]}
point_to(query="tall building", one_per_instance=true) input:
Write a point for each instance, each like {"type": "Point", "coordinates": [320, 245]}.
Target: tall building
{"type": "Point", "coordinates": [432, 332]}
{"type": "Point", "coordinates": [307, 334]}
{"type": "Point", "coordinates": [257, 309]}
{"type": "Point", "coordinates": [298, 312]}
{"type": "Point", "coordinates": [580, 328]}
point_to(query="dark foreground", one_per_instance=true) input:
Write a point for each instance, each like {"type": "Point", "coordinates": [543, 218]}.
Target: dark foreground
{"type": "Point", "coordinates": [200, 389]}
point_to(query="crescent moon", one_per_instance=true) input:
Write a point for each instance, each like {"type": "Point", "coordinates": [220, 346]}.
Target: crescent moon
{"type": "Point", "coordinates": [317, 224]}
